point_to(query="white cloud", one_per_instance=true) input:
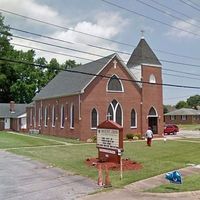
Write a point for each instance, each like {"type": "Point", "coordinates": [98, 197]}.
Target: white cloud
{"type": "Point", "coordinates": [32, 9]}
{"type": "Point", "coordinates": [187, 26]}
{"type": "Point", "coordinates": [113, 25]}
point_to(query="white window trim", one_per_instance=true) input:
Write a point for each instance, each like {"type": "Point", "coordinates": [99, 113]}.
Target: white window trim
{"type": "Point", "coordinates": [39, 117]}
{"type": "Point", "coordinates": [183, 117]}
{"type": "Point", "coordinates": [53, 116]}
{"type": "Point", "coordinates": [132, 127]}
{"type": "Point", "coordinates": [31, 116]}
{"type": "Point", "coordinates": [155, 111]}
{"type": "Point", "coordinates": [71, 127]}
{"type": "Point", "coordinates": [114, 111]}
{"type": "Point", "coordinates": [172, 117]}
{"type": "Point", "coordinates": [45, 117]}
{"type": "Point", "coordinates": [152, 79]}
{"type": "Point", "coordinates": [94, 128]}
{"type": "Point", "coordinates": [107, 90]}
{"type": "Point", "coordinates": [61, 116]}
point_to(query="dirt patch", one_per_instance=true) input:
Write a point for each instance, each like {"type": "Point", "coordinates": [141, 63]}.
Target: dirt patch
{"type": "Point", "coordinates": [126, 164]}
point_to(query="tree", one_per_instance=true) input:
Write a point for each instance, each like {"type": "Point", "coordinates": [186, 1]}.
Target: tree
{"type": "Point", "coordinates": [69, 64]}
{"type": "Point", "coordinates": [165, 109]}
{"type": "Point", "coordinates": [194, 101]}
{"type": "Point", "coordinates": [181, 104]}
{"type": "Point", "coordinates": [18, 81]}
{"type": "Point", "coordinates": [7, 73]}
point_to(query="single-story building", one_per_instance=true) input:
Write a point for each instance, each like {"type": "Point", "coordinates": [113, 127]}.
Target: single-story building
{"type": "Point", "coordinates": [183, 116]}
{"type": "Point", "coordinates": [13, 116]}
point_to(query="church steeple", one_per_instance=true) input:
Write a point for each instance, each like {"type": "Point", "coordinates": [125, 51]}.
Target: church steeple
{"type": "Point", "coordinates": [142, 54]}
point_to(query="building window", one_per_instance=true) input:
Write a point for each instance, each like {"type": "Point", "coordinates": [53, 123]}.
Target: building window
{"type": "Point", "coordinates": [72, 116]}
{"type": "Point", "coordinates": [114, 84]}
{"type": "Point", "coordinates": [53, 116]}
{"type": "Point", "coordinates": [172, 117]}
{"type": "Point", "coordinates": [39, 116]}
{"type": "Point", "coordinates": [45, 116]}
{"type": "Point", "coordinates": [152, 79]}
{"type": "Point", "coordinates": [152, 112]}
{"type": "Point", "coordinates": [62, 117]}
{"type": "Point", "coordinates": [31, 117]}
{"type": "Point", "coordinates": [115, 112]}
{"type": "Point", "coordinates": [94, 119]}
{"type": "Point", "coordinates": [133, 119]}
{"type": "Point", "coordinates": [183, 117]}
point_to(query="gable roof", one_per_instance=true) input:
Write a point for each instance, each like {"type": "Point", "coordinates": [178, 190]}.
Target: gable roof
{"type": "Point", "coordinates": [5, 110]}
{"type": "Point", "coordinates": [184, 111]}
{"type": "Point", "coordinates": [142, 54]}
{"type": "Point", "coordinates": [68, 83]}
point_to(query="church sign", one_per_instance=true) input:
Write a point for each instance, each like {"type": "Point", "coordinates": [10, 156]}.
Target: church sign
{"type": "Point", "coordinates": [108, 138]}
{"type": "Point", "coordinates": [109, 141]}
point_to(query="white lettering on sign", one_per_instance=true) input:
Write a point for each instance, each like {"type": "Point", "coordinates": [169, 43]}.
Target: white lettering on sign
{"type": "Point", "coordinates": [107, 151]}
{"type": "Point", "coordinates": [108, 138]}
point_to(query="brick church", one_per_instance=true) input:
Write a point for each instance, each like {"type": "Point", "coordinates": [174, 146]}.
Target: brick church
{"type": "Point", "coordinates": [73, 104]}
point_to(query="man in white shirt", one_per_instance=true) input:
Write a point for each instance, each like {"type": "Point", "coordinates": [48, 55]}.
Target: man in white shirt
{"type": "Point", "coordinates": [149, 136]}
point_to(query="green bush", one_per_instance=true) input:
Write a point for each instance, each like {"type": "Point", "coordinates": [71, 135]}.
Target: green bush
{"type": "Point", "coordinates": [94, 138]}
{"type": "Point", "coordinates": [129, 136]}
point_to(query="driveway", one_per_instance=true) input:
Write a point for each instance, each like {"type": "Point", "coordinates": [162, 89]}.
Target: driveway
{"type": "Point", "coordinates": [24, 179]}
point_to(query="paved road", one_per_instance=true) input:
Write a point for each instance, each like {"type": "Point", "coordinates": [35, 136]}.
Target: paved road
{"type": "Point", "coordinates": [24, 179]}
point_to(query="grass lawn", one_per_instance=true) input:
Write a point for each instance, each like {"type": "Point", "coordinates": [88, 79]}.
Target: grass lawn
{"type": "Point", "coordinates": [190, 183]}
{"type": "Point", "coordinates": [160, 158]}
{"type": "Point", "coordinates": [9, 140]}
{"type": "Point", "coordinates": [191, 127]}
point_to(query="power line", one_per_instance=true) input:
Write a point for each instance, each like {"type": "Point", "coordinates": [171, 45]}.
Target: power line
{"type": "Point", "coordinates": [98, 55]}
{"type": "Point", "coordinates": [93, 54]}
{"type": "Point", "coordinates": [95, 46]}
{"type": "Point", "coordinates": [69, 42]}
{"type": "Point", "coordinates": [99, 75]}
{"type": "Point", "coordinates": [114, 41]}
{"type": "Point", "coordinates": [166, 13]}
{"type": "Point", "coordinates": [174, 10]}
{"type": "Point", "coordinates": [194, 3]}
{"type": "Point", "coordinates": [64, 54]}
{"type": "Point", "coordinates": [152, 19]}
{"type": "Point", "coordinates": [190, 5]}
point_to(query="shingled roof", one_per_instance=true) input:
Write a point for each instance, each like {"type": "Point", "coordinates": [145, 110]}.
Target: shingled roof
{"type": "Point", "coordinates": [68, 83]}
{"type": "Point", "coordinates": [5, 110]}
{"type": "Point", "coordinates": [142, 54]}
{"type": "Point", "coordinates": [184, 111]}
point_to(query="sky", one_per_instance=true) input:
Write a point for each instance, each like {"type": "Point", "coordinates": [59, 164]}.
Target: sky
{"type": "Point", "coordinates": [171, 28]}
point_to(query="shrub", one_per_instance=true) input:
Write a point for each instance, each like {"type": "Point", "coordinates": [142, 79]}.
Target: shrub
{"type": "Point", "coordinates": [135, 138]}
{"type": "Point", "coordinates": [138, 135]}
{"type": "Point", "coordinates": [129, 136]}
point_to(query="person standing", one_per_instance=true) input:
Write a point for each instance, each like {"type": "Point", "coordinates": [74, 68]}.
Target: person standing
{"type": "Point", "coordinates": [149, 136]}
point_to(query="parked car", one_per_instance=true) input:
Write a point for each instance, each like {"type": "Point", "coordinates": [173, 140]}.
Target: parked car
{"type": "Point", "coordinates": [171, 128]}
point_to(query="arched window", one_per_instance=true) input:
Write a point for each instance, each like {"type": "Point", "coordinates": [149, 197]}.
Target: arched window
{"type": "Point", "coordinates": [53, 116]}
{"type": "Point", "coordinates": [152, 79]}
{"type": "Point", "coordinates": [133, 118]}
{"type": "Point", "coordinates": [94, 119]}
{"type": "Point", "coordinates": [45, 116]}
{"type": "Point", "coordinates": [152, 112]}
{"type": "Point", "coordinates": [62, 116]}
{"type": "Point", "coordinates": [39, 116]}
{"type": "Point", "coordinates": [115, 84]}
{"type": "Point", "coordinates": [115, 112]}
{"type": "Point", "coordinates": [72, 116]}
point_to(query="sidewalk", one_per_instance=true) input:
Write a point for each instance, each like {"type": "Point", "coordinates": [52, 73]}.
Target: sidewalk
{"type": "Point", "coordinates": [134, 190]}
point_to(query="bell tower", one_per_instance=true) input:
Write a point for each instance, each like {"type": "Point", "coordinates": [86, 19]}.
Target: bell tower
{"type": "Point", "coordinates": [146, 67]}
